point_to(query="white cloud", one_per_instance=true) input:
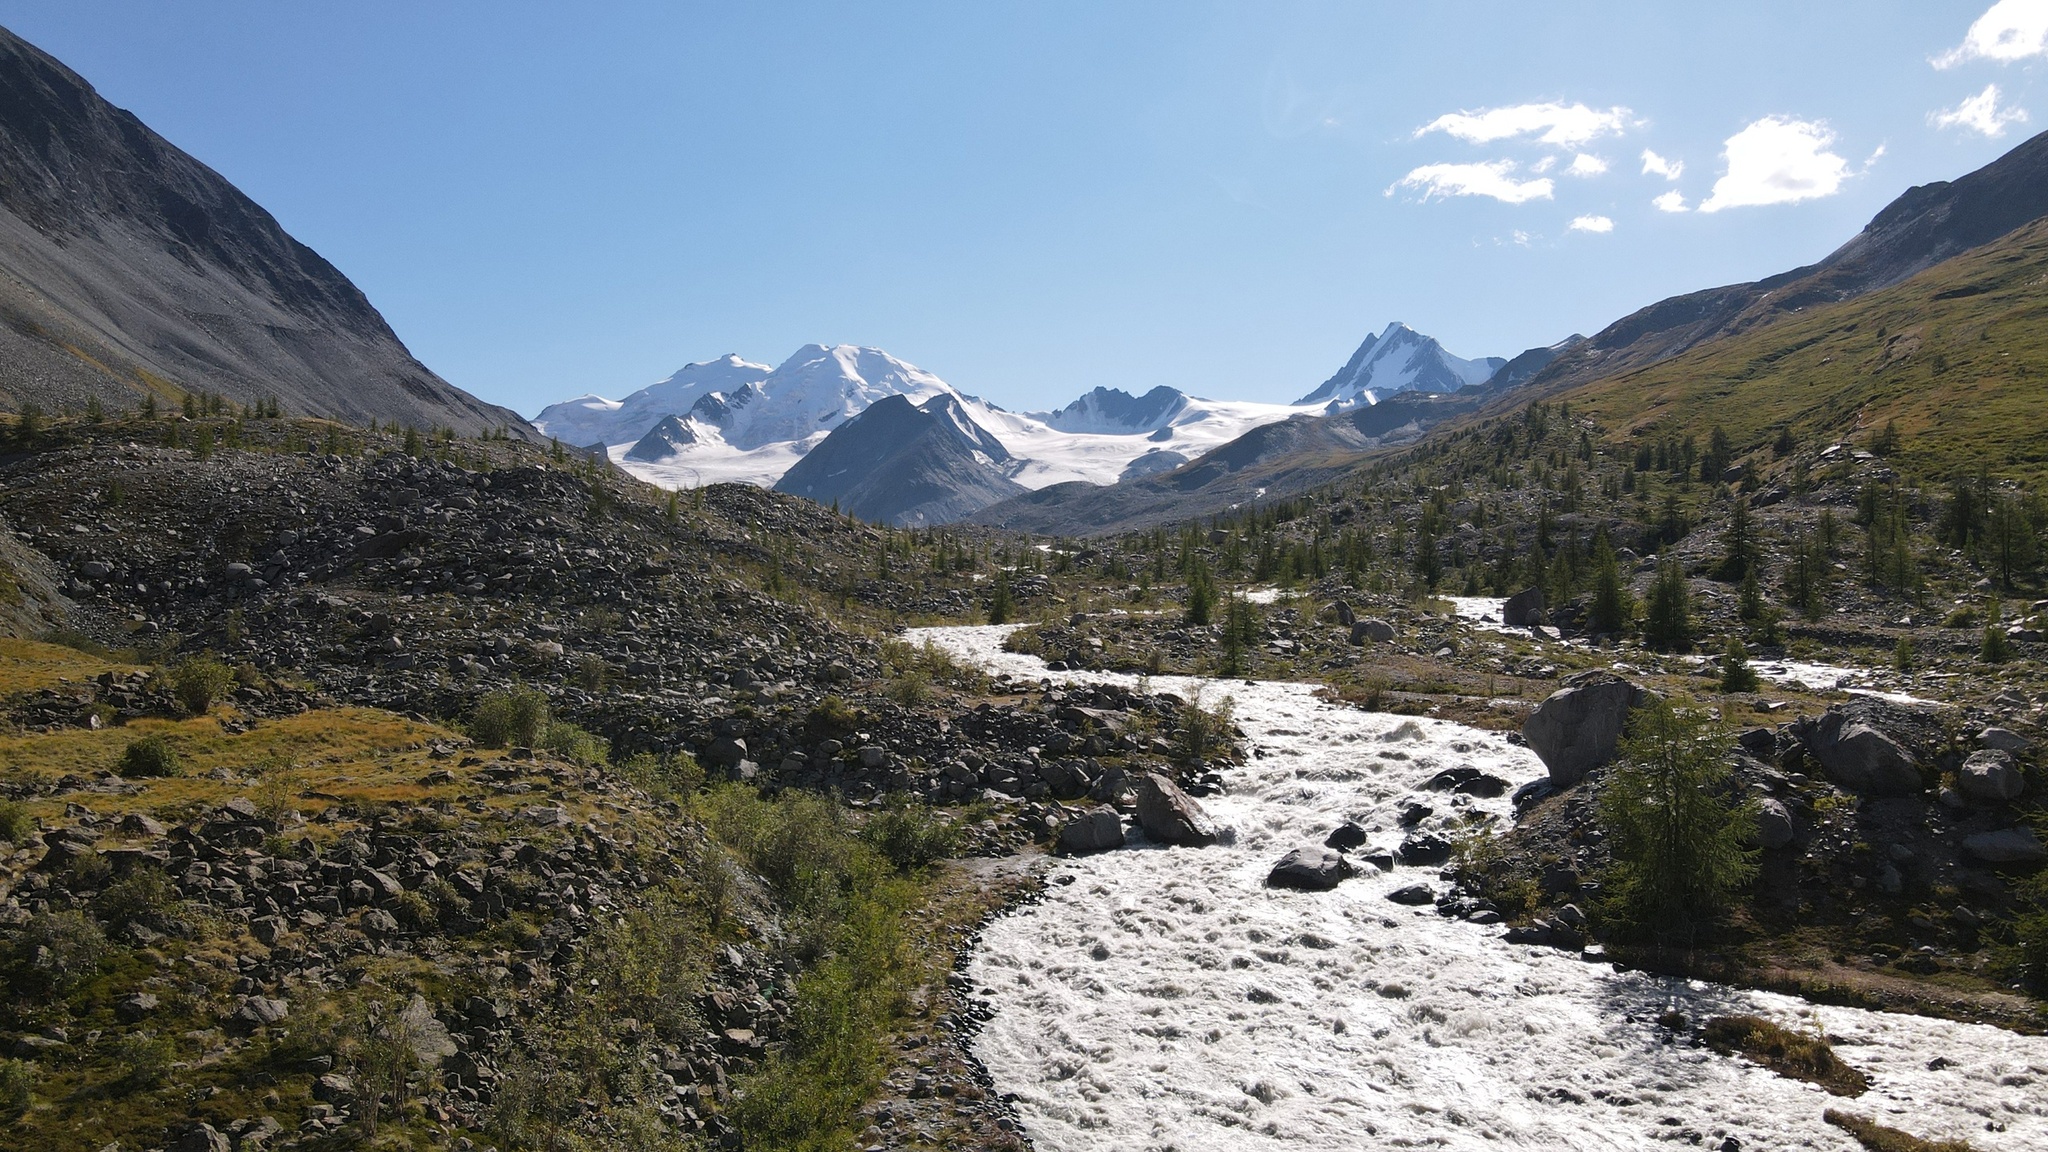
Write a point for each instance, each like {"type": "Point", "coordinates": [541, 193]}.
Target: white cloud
{"type": "Point", "coordinates": [1979, 113]}
{"type": "Point", "coordinates": [1586, 165]}
{"type": "Point", "coordinates": [1672, 201]}
{"type": "Point", "coordinates": [1592, 224]}
{"type": "Point", "coordinates": [1777, 160]}
{"type": "Point", "coordinates": [1543, 165]}
{"type": "Point", "coordinates": [1562, 125]}
{"type": "Point", "coordinates": [1493, 178]}
{"type": "Point", "coordinates": [2009, 30]}
{"type": "Point", "coordinates": [1655, 165]}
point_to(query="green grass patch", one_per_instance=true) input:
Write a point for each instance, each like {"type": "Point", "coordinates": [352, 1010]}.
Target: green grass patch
{"type": "Point", "coordinates": [1797, 1055]}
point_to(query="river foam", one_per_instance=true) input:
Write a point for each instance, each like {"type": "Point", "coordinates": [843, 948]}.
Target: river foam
{"type": "Point", "coordinates": [1164, 998]}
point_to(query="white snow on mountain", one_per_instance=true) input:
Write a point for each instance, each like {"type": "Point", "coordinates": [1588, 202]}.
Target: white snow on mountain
{"type": "Point", "coordinates": [1398, 359]}
{"type": "Point", "coordinates": [740, 421]}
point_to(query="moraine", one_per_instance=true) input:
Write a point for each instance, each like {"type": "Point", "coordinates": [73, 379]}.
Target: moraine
{"type": "Point", "coordinates": [1164, 998]}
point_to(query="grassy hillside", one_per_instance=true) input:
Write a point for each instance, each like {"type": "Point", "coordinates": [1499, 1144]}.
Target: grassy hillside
{"type": "Point", "coordinates": [1957, 357]}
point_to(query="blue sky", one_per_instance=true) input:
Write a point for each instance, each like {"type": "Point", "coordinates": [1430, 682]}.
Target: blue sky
{"type": "Point", "coordinates": [1035, 199]}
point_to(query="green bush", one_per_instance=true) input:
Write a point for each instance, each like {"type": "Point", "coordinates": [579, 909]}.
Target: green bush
{"type": "Point", "coordinates": [674, 776]}
{"type": "Point", "coordinates": [17, 1087]}
{"type": "Point", "coordinates": [141, 1062]}
{"type": "Point", "coordinates": [1736, 674]}
{"type": "Point", "coordinates": [16, 825]}
{"type": "Point", "coordinates": [831, 719]}
{"type": "Point", "coordinates": [511, 716]}
{"type": "Point", "coordinates": [146, 896]}
{"type": "Point", "coordinates": [1678, 837]}
{"type": "Point", "coordinates": [151, 755]}
{"type": "Point", "coordinates": [910, 835]}
{"type": "Point", "coordinates": [199, 681]}
{"type": "Point", "coordinates": [56, 952]}
{"type": "Point", "coordinates": [575, 745]}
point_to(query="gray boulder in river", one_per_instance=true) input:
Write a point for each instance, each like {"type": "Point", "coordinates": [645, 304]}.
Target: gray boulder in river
{"type": "Point", "coordinates": [1170, 815]}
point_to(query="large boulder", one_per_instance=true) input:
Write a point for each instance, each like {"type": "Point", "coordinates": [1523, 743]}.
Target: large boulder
{"type": "Point", "coordinates": [1991, 776]}
{"type": "Point", "coordinates": [1774, 827]}
{"type": "Point", "coordinates": [1577, 728]}
{"type": "Point", "coordinates": [1524, 609]}
{"type": "Point", "coordinates": [1371, 628]}
{"type": "Point", "coordinates": [1170, 815]}
{"type": "Point", "coordinates": [2006, 846]}
{"type": "Point", "coordinates": [1092, 830]}
{"type": "Point", "coordinates": [1311, 869]}
{"type": "Point", "coordinates": [1864, 747]}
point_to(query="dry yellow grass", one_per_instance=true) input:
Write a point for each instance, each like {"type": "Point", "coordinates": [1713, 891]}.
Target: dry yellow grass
{"type": "Point", "coordinates": [31, 666]}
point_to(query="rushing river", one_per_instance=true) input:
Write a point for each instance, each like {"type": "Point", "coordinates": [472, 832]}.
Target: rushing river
{"type": "Point", "coordinates": [1164, 998]}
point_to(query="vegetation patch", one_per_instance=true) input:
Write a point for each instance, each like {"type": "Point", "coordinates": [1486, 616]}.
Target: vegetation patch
{"type": "Point", "coordinates": [1798, 1055]}
{"type": "Point", "coordinates": [1879, 1138]}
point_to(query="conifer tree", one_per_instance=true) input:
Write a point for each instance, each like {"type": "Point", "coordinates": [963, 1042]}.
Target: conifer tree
{"type": "Point", "coordinates": [1667, 622]}
{"type": "Point", "coordinates": [1613, 606]}
{"type": "Point", "coordinates": [1675, 830]}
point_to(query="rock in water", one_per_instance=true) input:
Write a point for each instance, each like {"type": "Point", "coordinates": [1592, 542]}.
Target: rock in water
{"type": "Point", "coordinates": [1577, 728]}
{"type": "Point", "coordinates": [1347, 836]}
{"type": "Point", "coordinates": [1310, 869]}
{"type": "Point", "coordinates": [1094, 830]}
{"type": "Point", "coordinates": [1524, 609]}
{"type": "Point", "coordinates": [1170, 815]}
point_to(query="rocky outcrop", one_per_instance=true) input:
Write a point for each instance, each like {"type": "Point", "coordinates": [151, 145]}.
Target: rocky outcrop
{"type": "Point", "coordinates": [1991, 776]}
{"type": "Point", "coordinates": [2006, 846]}
{"type": "Point", "coordinates": [1097, 829]}
{"type": "Point", "coordinates": [1524, 609]}
{"type": "Point", "coordinates": [1579, 726]}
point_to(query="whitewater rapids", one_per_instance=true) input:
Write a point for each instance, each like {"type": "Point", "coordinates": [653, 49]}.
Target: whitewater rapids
{"type": "Point", "coordinates": [1164, 998]}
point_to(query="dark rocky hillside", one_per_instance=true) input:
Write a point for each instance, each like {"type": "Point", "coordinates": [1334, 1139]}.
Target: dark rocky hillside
{"type": "Point", "coordinates": [128, 267]}
{"type": "Point", "coordinates": [905, 464]}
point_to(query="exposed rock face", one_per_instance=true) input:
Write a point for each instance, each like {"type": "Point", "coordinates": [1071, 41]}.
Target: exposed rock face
{"type": "Point", "coordinates": [1170, 815]}
{"type": "Point", "coordinates": [1093, 830]}
{"type": "Point", "coordinates": [1865, 746]}
{"type": "Point", "coordinates": [906, 464]}
{"type": "Point", "coordinates": [125, 258]}
{"type": "Point", "coordinates": [1524, 609]}
{"type": "Point", "coordinates": [1578, 727]}
{"type": "Point", "coordinates": [1991, 776]}
{"type": "Point", "coordinates": [1311, 869]}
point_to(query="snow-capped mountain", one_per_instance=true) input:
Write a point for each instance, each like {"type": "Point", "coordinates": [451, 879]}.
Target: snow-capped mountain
{"type": "Point", "coordinates": [1398, 359]}
{"type": "Point", "coordinates": [1115, 411]}
{"type": "Point", "coordinates": [907, 464]}
{"type": "Point", "coordinates": [595, 420]}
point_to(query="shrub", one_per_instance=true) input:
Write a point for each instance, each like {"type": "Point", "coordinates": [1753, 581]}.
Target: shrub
{"type": "Point", "coordinates": [911, 836]}
{"type": "Point", "coordinates": [144, 896]}
{"type": "Point", "coordinates": [831, 719]}
{"type": "Point", "coordinates": [1677, 835]}
{"type": "Point", "coordinates": [672, 776]}
{"type": "Point", "coordinates": [17, 1087]}
{"type": "Point", "coordinates": [56, 952]}
{"type": "Point", "coordinates": [575, 745]}
{"type": "Point", "coordinates": [1879, 1138]}
{"type": "Point", "coordinates": [198, 681]}
{"type": "Point", "coordinates": [141, 1062]}
{"type": "Point", "coordinates": [150, 755]}
{"type": "Point", "coordinates": [1799, 1055]}
{"type": "Point", "coordinates": [515, 715]}
{"type": "Point", "coordinates": [16, 825]}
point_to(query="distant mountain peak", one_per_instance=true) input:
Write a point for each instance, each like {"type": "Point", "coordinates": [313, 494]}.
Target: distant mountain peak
{"type": "Point", "coordinates": [1399, 359]}
{"type": "Point", "coordinates": [1113, 410]}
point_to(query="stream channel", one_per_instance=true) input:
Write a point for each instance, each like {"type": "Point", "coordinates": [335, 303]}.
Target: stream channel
{"type": "Point", "coordinates": [1165, 998]}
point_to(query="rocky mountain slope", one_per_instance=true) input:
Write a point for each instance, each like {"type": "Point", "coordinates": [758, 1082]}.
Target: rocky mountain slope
{"type": "Point", "coordinates": [127, 268]}
{"type": "Point", "coordinates": [906, 464]}
{"type": "Point", "coordinates": [1921, 228]}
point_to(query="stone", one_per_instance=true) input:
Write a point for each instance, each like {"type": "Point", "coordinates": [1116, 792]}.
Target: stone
{"type": "Point", "coordinates": [334, 1088]}
{"type": "Point", "coordinates": [133, 1007]}
{"type": "Point", "coordinates": [1774, 827]}
{"type": "Point", "coordinates": [1371, 628]}
{"type": "Point", "coordinates": [1347, 836]}
{"type": "Point", "coordinates": [268, 929]}
{"type": "Point", "coordinates": [1991, 776]}
{"type": "Point", "coordinates": [201, 1138]}
{"type": "Point", "coordinates": [1095, 829]}
{"type": "Point", "coordinates": [2006, 846]}
{"type": "Point", "coordinates": [1413, 895]}
{"type": "Point", "coordinates": [1858, 755]}
{"type": "Point", "coordinates": [1170, 815]}
{"type": "Point", "coordinates": [2005, 740]}
{"type": "Point", "coordinates": [255, 1012]}
{"type": "Point", "coordinates": [1524, 609]}
{"type": "Point", "coordinates": [1577, 728]}
{"type": "Point", "coordinates": [1311, 869]}
{"type": "Point", "coordinates": [1425, 848]}
{"type": "Point", "coordinates": [726, 752]}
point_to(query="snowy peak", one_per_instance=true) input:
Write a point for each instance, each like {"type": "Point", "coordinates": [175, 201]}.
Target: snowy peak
{"type": "Point", "coordinates": [905, 463]}
{"type": "Point", "coordinates": [1399, 359]}
{"type": "Point", "coordinates": [1113, 411]}
{"type": "Point", "coordinates": [593, 419]}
